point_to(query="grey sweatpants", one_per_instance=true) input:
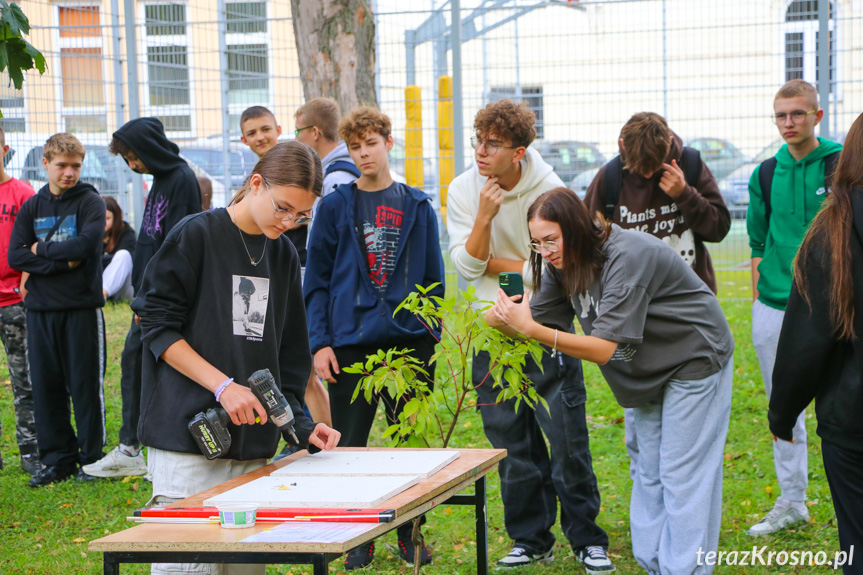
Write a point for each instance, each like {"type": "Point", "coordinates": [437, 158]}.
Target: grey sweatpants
{"type": "Point", "coordinates": [676, 505]}
{"type": "Point", "coordinates": [789, 459]}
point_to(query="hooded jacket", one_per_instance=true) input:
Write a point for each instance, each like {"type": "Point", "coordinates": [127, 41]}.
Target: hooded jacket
{"type": "Point", "coordinates": [795, 197]}
{"type": "Point", "coordinates": [342, 305]}
{"type": "Point", "coordinates": [338, 177]}
{"type": "Point", "coordinates": [175, 193]}
{"type": "Point", "coordinates": [811, 363]}
{"type": "Point", "coordinates": [509, 233]}
{"type": "Point", "coordinates": [54, 285]}
{"type": "Point", "coordinates": [684, 223]}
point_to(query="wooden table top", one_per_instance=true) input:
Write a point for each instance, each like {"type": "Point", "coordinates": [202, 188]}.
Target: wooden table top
{"type": "Point", "coordinates": [420, 498]}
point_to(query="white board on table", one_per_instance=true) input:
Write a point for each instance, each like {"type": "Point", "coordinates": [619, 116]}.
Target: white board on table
{"type": "Point", "coordinates": [424, 463]}
{"type": "Point", "coordinates": [309, 491]}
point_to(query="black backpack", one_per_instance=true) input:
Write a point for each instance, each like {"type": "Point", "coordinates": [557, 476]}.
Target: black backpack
{"type": "Point", "coordinates": [768, 167]}
{"type": "Point", "coordinates": [690, 161]}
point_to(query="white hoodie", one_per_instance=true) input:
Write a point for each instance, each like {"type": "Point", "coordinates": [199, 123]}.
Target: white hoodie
{"type": "Point", "coordinates": [509, 232]}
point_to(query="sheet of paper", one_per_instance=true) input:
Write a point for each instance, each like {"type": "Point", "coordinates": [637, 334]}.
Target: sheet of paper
{"type": "Point", "coordinates": [310, 532]}
{"type": "Point", "coordinates": [422, 462]}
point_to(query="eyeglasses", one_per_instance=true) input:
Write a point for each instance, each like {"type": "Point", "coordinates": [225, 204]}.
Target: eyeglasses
{"type": "Point", "coordinates": [298, 130]}
{"type": "Point", "coordinates": [796, 116]}
{"type": "Point", "coordinates": [284, 215]}
{"type": "Point", "coordinates": [550, 245]}
{"type": "Point", "coordinates": [491, 147]}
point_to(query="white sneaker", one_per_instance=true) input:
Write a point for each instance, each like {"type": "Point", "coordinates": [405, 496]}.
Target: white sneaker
{"type": "Point", "coordinates": [595, 559]}
{"type": "Point", "coordinates": [117, 464]}
{"type": "Point", "coordinates": [520, 556]}
{"type": "Point", "coordinates": [780, 517]}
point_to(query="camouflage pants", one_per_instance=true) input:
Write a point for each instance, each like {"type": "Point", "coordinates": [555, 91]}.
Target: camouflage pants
{"type": "Point", "coordinates": [13, 332]}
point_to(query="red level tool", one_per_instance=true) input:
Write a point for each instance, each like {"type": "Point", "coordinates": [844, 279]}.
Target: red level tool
{"type": "Point", "coordinates": [313, 514]}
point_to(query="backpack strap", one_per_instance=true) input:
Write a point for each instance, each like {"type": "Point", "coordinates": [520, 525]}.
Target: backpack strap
{"type": "Point", "coordinates": [611, 186]}
{"type": "Point", "coordinates": [830, 162]}
{"type": "Point", "coordinates": [765, 181]}
{"type": "Point", "coordinates": [691, 160]}
{"type": "Point", "coordinates": [343, 166]}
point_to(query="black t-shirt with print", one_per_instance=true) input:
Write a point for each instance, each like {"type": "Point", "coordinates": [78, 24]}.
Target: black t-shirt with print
{"type": "Point", "coordinates": [378, 221]}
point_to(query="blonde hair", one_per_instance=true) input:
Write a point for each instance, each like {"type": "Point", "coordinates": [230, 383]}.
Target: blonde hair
{"type": "Point", "coordinates": [795, 88]}
{"type": "Point", "coordinates": [323, 114]}
{"type": "Point", "coordinates": [63, 144]}
{"type": "Point", "coordinates": [290, 163]}
{"type": "Point", "coordinates": [364, 120]}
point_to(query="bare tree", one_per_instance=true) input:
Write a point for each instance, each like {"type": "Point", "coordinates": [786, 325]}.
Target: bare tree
{"type": "Point", "coordinates": [336, 48]}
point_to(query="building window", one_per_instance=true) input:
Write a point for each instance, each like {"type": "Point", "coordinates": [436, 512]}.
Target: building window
{"type": "Point", "coordinates": [248, 56]}
{"type": "Point", "coordinates": [530, 94]}
{"type": "Point", "coordinates": [169, 86]}
{"type": "Point", "coordinates": [801, 43]}
{"type": "Point", "coordinates": [12, 104]}
{"type": "Point", "coordinates": [82, 83]}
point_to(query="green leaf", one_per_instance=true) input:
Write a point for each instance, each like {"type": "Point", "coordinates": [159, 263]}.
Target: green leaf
{"type": "Point", "coordinates": [14, 17]}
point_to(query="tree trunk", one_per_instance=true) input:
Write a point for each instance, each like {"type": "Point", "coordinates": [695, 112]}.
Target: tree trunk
{"type": "Point", "coordinates": [336, 48]}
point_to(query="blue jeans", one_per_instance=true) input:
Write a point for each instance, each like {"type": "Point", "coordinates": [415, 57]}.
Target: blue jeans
{"type": "Point", "coordinates": [531, 481]}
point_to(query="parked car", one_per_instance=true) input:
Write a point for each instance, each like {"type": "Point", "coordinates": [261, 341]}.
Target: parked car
{"type": "Point", "coordinates": [581, 182]}
{"type": "Point", "coordinates": [570, 158]}
{"type": "Point", "coordinates": [211, 160]}
{"type": "Point", "coordinates": [721, 156]}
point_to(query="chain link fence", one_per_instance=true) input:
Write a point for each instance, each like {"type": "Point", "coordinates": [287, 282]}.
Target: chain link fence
{"type": "Point", "coordinates": [584, 67]}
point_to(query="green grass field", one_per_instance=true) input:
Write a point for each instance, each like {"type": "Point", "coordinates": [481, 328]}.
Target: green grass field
{"type": "Point", "coordinates": [47, 530]}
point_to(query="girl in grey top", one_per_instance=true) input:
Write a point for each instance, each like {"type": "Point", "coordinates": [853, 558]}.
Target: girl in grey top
{"type": "Point", "coordinates": [664, 346]}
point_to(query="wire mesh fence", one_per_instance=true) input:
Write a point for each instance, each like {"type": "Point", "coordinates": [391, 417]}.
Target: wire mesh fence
{"type": "Point", "coordinates": [584, 67]}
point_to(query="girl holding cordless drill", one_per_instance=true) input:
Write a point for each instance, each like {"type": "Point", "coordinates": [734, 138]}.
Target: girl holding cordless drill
{"type": "Point", "coordinates": [200, 354]}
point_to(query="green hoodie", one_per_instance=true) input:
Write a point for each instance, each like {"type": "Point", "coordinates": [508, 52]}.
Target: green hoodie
{"type": "Point", "coordinates": [795, 198]}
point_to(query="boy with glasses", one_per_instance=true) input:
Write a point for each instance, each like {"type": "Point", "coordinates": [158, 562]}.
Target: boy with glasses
{"type": "Point", "coordinates": [373, 241]}
{"type": "Point", "coordinates": [785, 193]}
{"type": "Point", "coordinates": [487, 225]}
{"type": "Point", "coordinates": [317, 123]}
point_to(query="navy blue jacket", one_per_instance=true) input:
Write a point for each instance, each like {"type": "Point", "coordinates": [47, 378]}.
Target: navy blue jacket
{"type": "Point", "coordinates": [343, 306]}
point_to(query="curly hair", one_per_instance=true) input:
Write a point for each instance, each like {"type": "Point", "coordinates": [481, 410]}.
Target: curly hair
{"type": "Point", "coordinates": [507, 119]}
{"type": "Point", "coordinates": [362, 121]}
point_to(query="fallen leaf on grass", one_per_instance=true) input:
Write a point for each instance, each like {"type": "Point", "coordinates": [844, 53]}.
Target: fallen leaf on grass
{"type": "Point", "coordinates": [79, 540]}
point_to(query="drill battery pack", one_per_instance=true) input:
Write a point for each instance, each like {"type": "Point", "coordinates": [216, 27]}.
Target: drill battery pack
{"type": "Point", "coordinates": [210, 430]}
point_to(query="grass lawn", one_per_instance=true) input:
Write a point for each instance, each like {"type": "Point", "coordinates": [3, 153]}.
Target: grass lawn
{"type": "Point", "coordinates": [47, 530]}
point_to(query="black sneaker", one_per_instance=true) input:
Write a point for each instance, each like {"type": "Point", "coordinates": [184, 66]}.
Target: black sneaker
{"type": "Point", "coordinates": [83, 477]}
{"type": "Point", "coordinates": [595, 559]}
{"type": "Point", "coordinates": [407, 551]}
{"type": "Point", "coordinates": [31, 464]}
{"type": "Point", "coordinates": [359, 557]}
{"type": "Point", "coordinates": [520, 556]}
{"type": "Point", "coordinates": [52, 474]}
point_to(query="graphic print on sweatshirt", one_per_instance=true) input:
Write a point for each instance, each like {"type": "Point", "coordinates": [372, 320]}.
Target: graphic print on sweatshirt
{"type": "Point", "coordinates": [154, 215]}
{"type": "Point", "coordinates": [379, 219]}
{"type": "Point", "coordinates": [250, 297]}
{"type": "Point", "coordinates": [664, 222]}
{"type": "Point", "coordinates": [67, 229]}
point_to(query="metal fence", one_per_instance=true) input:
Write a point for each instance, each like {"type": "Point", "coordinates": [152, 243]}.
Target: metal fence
{"type": "Point", "coordinates": [711, 68]}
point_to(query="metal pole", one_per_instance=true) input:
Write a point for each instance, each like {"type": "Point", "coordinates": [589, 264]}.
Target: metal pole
{"type": "Point", "coordinates": [457, 97]}
{"type": "Point", "coordinates": [410, 60]}
{"type": "Point", "coordinates": [123, 177]}
{"type": "Point", "coordinates": [518, 97]}
{"type": "Point", "coordinates": [377, 51]}
{"type": "Point", "coordinates": [225, 86]}
{"type": "Point", "coordinates": [134, 102]}
{"type": "Point", "coordinates": [664, 61]}
{"type": "Point", "coordinates": [824, 65]}
{"type": "Point", "coordinates": [485, 89]}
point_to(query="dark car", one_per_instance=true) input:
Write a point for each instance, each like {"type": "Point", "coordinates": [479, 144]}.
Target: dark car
{"type": "Point", "coordinates": [569, 158]}
{"type": "Point", "coordinates": [721, 156]}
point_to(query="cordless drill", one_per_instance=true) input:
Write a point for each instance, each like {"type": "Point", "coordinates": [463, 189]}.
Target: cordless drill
{"type": "Point", "coordinates": [210, 428]}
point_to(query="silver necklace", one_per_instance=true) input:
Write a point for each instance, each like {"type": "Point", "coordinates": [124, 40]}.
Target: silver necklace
{"type": "Point", "coordinates": [242, 239]}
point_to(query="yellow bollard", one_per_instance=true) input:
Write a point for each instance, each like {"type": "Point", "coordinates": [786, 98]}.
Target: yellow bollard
{"type": "Point", "coordinates": [414, 138]}
{"type": "Point", "coordinates": [446, 139]}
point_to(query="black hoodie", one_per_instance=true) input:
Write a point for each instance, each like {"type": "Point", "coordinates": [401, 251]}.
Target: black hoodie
{"type": "Point", "coordinates": [53, 285]}
{"type": "Point", "coordinates": [175, 193]}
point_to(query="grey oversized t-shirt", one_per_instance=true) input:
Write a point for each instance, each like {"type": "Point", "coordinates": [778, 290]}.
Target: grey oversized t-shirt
{"type": "Point", "coordinates": [667, 322]}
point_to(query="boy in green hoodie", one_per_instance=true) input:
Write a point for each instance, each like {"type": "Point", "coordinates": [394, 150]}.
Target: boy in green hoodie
{"type": "Point", "coordinates": [777, 220]}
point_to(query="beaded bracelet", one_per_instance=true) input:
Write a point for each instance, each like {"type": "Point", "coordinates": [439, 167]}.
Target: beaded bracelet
{"type": "Point", "coordinates": [222, 387]}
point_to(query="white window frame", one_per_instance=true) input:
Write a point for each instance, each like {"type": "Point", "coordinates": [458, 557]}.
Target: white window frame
{"type": "Point", "coordinates": [809, 29]}
{"type": "Point", "coordinates": [184, 40]}
{"type": "Point", "coordinates": [78, 42]}
{"type": "Point", "coordinates": [264, 38]}
{"type": "Point", "coordinates": [17, 113]}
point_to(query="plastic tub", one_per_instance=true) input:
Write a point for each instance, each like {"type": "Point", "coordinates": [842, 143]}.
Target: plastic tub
{"type": "Point", "coordinates": [237, 515]}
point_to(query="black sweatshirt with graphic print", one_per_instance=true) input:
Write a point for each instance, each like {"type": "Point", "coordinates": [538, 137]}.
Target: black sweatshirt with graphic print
{"type": "Point", "coordinates": [202, 288]}
{"type": "Point", "coordinates": [54, 285]}
{"type": "Point", "coordinates": [175, 193]}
